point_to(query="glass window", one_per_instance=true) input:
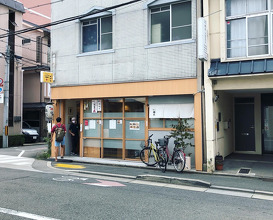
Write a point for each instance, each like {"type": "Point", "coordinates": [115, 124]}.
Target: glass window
{"type": "Point", "coordinates": [170, 122]}
{"type": "Point", "coordinates": [112, 148]}
{"type": "Point", "coordinates": [112, 128]}
{"type": "Point", "coordinates": [236, 38]}
{"type": "Point", "coordinates": [97, 34]}
{"type": "Point", "coordinates": [112, 107]}
{"type": "Point", "coordinates": [171, 22]}
{"type": "Point", "coordinates": [91, 128]}
{"type": "Point", "coordinates": [235, 7]}
{"type": "Point", "coordinates": [106, 33]}
{"type": "Point", "coordinates": [257, 35]}
{"type": "Point", "coordinates": [87, 110]}
{"type": "Point", "coordinates": [135, 107]}
{"type": "Point", "coordinates": [160, 27]}
{"type": "Point", "coordinates": [156, 123]}
{"type": "Point", "coordinates": [90, 37]}
{"type": "Point", "coordinates": [254, 6]}
{"type": "Point", "coordinates": [181, 21]}
{"type": "Point", "coordinates": [247, 27]}
{"type": "Point", "coordinates": [135, 129]}
{"type": "Point", "coordinates": [133, 149]}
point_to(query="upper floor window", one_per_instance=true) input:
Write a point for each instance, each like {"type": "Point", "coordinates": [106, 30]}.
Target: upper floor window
{"type": "Point", "coordinates": [97, 34]}
{"type": "Point", "coordinates": [171, 22]}
{"type": "Point", "coordinates": [248, 27]}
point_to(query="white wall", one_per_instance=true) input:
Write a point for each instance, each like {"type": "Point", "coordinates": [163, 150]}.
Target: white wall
{"type": "Point", "coordinates": [131, 60]}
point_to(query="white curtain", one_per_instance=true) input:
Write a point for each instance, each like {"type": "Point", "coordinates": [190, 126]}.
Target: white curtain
{"type": "Point", "coordinates": [256, 6]}
{"type": "Point", "coordinates": [258, 35]}
{"type": "Point", "coordinates": [236, 7]}
{"type": "Point", "coordinates": [171, 110]}
{"type": "Point", "coordinates": [237, 38]}
{"type": "Point", "coordinates": [242, 7]}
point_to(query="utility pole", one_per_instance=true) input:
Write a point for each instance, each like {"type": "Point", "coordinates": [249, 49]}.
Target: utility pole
{"type": "Point", "coordinates": [6, 100]}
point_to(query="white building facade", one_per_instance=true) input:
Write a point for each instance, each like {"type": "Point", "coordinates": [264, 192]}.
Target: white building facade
{"type": "Point", "coordinates": [238, 79]}
{"type": "Point", "coordinates": [126, 73]}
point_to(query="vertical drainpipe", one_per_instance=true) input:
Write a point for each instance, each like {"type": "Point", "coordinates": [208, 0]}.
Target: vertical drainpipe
{"type": "Point", "coordinates": [203, 101]}
{"type": "Point", "coordinates": [22, 97]}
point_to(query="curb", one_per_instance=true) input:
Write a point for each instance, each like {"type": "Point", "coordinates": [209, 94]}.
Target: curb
{"type": "Point", "coordinates": [103, 174]}
{"type": "Point", "coordinates": [254, 192]}
{"type": "Point", "coordinates": [174, 180]}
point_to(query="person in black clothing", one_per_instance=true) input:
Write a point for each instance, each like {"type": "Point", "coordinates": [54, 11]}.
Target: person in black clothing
{"type": "Point", "coordinates": [74, 131]}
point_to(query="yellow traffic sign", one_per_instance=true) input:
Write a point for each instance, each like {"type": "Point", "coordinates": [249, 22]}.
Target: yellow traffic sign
{"type": "Point", "coordinates": [46, 77]}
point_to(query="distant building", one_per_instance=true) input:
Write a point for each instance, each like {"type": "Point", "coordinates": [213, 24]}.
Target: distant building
{"type": "Point", "coordinates": [11, 13]}
{"type": "Point", "coordinates": [127, 73]}
{"type": "Point", "coordinates": [36, 58]}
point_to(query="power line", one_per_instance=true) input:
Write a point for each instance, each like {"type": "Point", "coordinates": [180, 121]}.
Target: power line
{"type": "Point", "coordinates": [67, 19]}
{"type": "Point", "coordinates": [36, 6]}
{"type": "Point", "coordinates": [24, 37]}
{"type": "Point", "coordinates": [12, 44]}
{"type": "Point", "coordinates": [51, 3]}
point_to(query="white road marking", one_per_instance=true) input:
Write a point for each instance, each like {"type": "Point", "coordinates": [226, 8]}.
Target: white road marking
{"type": "Point", "coordinates": [263, 197]}
{"type": "Point", "coordinates": [15, 162]}
{"type": "Point", "coordinates": [25, 214]}
{"type": "Point", "coordinates": [230, 193]}
{"type": "Point", "coordinates": [20, 155]}
{"type": "Point", "coordinates": [104, 183]}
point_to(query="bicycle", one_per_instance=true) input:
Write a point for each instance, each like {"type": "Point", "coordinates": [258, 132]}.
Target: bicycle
{"type": "Point", "coordinates": [151, 155]}
{"type": "Point", "coordinates": [178, 157]}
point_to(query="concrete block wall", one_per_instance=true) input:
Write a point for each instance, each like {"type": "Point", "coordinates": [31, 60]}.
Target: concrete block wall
{"type": "Point", "coordinates": [132, 58]}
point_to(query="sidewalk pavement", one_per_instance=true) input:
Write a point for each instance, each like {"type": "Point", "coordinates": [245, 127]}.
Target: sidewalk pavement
{"type": "Point", "coordinates": [234, 165]}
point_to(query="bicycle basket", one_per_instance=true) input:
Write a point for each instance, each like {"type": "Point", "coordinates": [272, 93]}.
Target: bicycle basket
{"type": "Point", "coordinates": [162, 142]}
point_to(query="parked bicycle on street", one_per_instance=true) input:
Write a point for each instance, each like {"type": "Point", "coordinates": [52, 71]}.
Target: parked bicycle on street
{"type": "Point", "coordinates": [177, 158]}
{"type": "Point", "coordinates": [152, 155]}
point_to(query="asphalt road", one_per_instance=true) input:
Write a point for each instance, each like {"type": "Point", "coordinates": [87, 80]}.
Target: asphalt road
{"type": "Point", "coordinates": [61, 192]}
{"type": "Point", "coordinates": [71, 197]}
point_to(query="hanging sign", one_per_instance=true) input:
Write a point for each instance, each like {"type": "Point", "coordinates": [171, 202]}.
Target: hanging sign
{"type": "Point", "coordinates": [46, 77]}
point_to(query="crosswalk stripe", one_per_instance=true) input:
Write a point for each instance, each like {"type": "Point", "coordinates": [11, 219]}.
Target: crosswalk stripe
{"type": "Point", "coordinates": [13, 160]}
{"type": "Point", "coordinates": [21, 163]}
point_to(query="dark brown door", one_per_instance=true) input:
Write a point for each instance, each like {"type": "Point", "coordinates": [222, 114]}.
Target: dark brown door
{"type": "Point", "coordinates": [244, 124]}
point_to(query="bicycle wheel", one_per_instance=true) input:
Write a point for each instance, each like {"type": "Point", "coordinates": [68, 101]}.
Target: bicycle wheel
{"type": "Point", "coordinates": [179, 161]}
{"type": "Point", "coordinates": [147, 156]}
{"type": "Point", "coordinates": [162, 163]}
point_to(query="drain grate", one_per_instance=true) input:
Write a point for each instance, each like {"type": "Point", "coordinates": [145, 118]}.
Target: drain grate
{"type": "Point", "coordinates": [244, 171]}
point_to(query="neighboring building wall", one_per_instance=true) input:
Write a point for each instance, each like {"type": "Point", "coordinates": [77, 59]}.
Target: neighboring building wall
{"type": "Point", "coordinates": [232, 43]}
{"type": "Point", "coordinates": [17, 104]}
{"type": "Point", "coordinates": [36, 54]}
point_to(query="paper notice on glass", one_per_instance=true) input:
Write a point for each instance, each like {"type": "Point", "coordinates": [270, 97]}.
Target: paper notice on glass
{"type": "Point", "coordinates": [94, 106]}
{"type": "Point", "coordinates": [86, 125]}
{"type": "Point", "coordinates": [113, 124]}
{"type": "Point", "coordinates": [92, 124]}
{"type": "Point", "coordinates": [134, 126]}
